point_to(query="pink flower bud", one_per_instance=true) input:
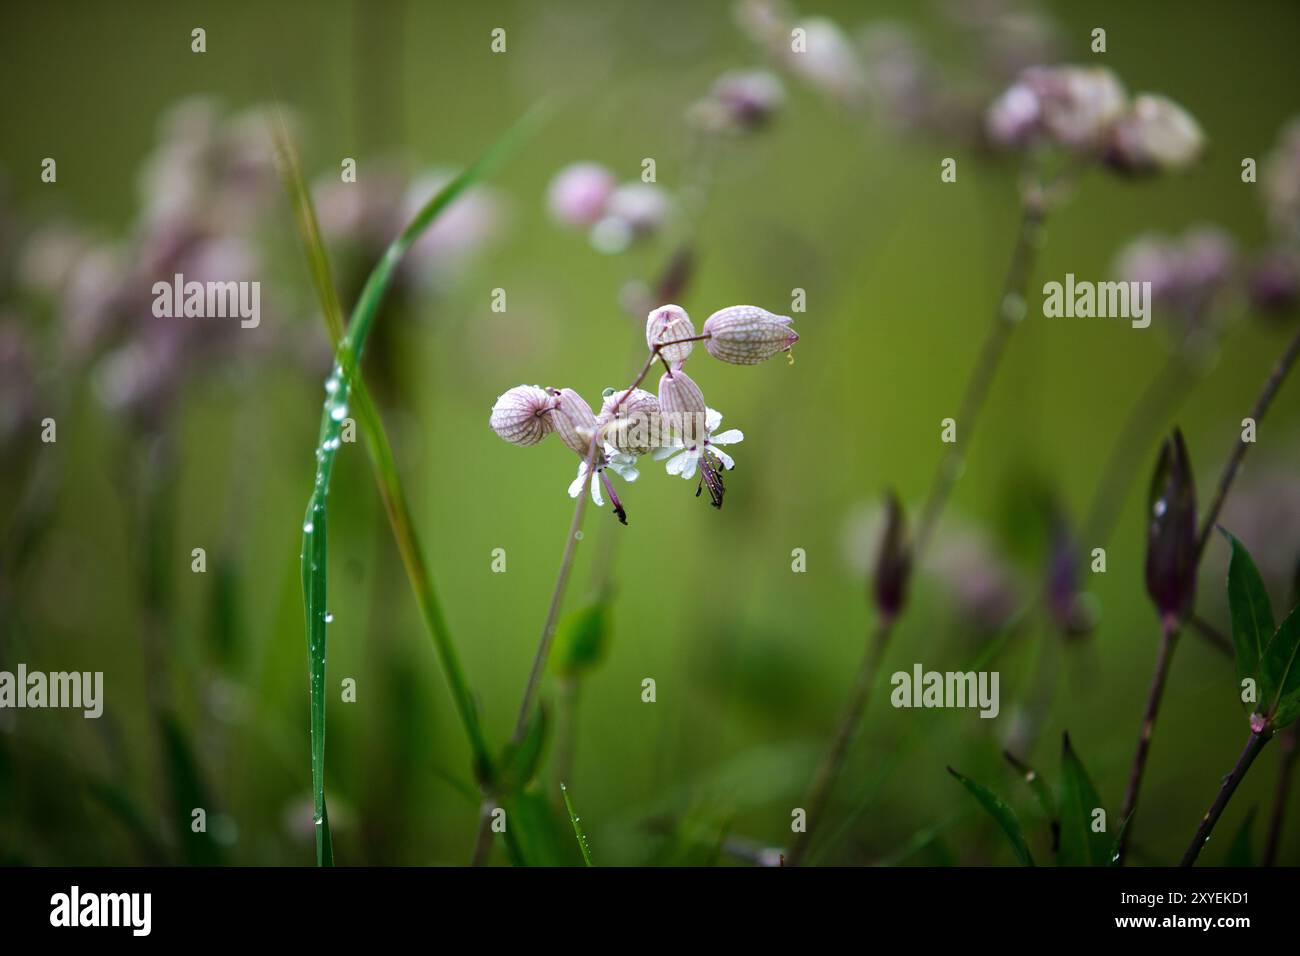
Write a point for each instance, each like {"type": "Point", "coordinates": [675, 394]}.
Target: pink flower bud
{"type": "Point", "coordinates": [1072, 105]}
{"type": "Point", "coordinates": [747, 335]}
{"type": "Point", "coordinates": [748, 98]}
{"type": "Point", "coordinates": [578, 194]}
{"type": "Point", "coordinates": [682, 404]}
{"type": "Point", "coordinates": [1014, 117]}
{"type": "Point", "coordinates": [634, 428]}
{"type": "Point", "coordinates": [522, 415]}
{"type": "Point", "coordinates": [670, 323]}
{"type": "Point", "coordinates": [573, 419]}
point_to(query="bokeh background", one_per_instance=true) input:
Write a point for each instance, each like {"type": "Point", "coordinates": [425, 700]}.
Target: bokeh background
{"type": "Point", "coordinates": [208, 442]}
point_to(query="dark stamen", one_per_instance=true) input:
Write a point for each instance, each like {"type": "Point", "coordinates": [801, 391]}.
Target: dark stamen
{"type": "Point", "coordinates": [711, 477]}
{"type": "Point", "coordinates": [613, 497]}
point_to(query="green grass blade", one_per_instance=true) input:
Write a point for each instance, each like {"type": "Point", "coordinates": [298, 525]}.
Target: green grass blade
{"type": "Point", "coordinates": [997, 808]}
{"type": "Point", "coordinates": [577, 827]}
{"type": "Point", "coordinates": [346, 383]}
{"type": "Point", "coordinates": [1081, 845]}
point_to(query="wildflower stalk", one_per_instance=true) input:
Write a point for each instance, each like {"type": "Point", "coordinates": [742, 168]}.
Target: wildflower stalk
{"type": "Point", "coordinates": [829, 769]}
{"type": "Point", "coordinates": [1257, 412]}
{"type": "Point", "coordinates": [1164, 657]}
{"type": "Point", "coordinates": [1010, 311]}
{"type": "Point", "coordinates": [1254, 744]}
{"type": "Point", "coordinates": [533, 686]}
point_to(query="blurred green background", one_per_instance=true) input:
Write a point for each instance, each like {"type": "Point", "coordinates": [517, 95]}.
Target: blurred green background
{"type": "Point", "coordinates": [752, 661]}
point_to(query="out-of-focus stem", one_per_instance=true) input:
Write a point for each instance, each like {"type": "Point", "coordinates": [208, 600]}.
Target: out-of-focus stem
{"type": "Point", "coordinates": [1011, 307]}
{"type": "Point", "coordinates": [1229, 474]}
{"type": "Point", "coordinates": [1285, 773]}
{"type": "Point", "coordinates": [820, 791]}
{"type": "Point", "coordinates": [1168, 640]}
{"type": "Point", "coordinates": [1229, 786]}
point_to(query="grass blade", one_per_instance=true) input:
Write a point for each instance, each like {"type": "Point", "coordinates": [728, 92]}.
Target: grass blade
{"type": "Point", "coordinates": [344, 383]}
{"type": "Point", "coordinates": [577, 827]}
{"type": "Point", "coordinates": [997, 808]}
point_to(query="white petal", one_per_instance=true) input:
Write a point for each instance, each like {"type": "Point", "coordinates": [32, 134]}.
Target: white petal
{"type": "Point", "coordinates": [712, 418]}
{"type": "Point", "coordinates": [666, 451]}
{"type": "Point", "coordinates": [595, 490]}
{"type": "Point", "coordinates": [626, 472]}
{"type": "Point", "coordinates": [575, 487]}
{"type": "Point", "coordinates": [727, 461]}
{"type": "Point", "coordinates": [678, 464]}
{"type": "Point", "coordinates": [730, 437]}
{"type": "Point", "coordinates": [689, 471]}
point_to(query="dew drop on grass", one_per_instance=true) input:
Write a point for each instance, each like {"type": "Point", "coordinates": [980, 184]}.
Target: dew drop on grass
{"type": "Point", "coordinates": [308, 527]}
{"type": "Point", "coordinates": [338, 412]}
{"type": "Point", "coordinates": [329, 617]}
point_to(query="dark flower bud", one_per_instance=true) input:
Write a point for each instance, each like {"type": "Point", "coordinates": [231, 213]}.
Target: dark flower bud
{"type": "Point", "coordinates": [1171, 532]}
{"type": "Point", "coordinates": [893, 562]}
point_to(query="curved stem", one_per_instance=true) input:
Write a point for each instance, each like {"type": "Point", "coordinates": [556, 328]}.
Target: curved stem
{"type": "Point", "coordinates": [820, 791]}
{"type": "Point", "coordinates": [1168, 639]}
{"type": "Point", "coordinates": [1229, 786]}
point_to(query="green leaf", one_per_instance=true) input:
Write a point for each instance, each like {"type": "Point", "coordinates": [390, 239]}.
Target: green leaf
{"type": "Point", "coordinates": [1252, 615]}
{"type": "Point", "coordinates": [581, 640]}
{"type": "Point", "coordinates": [578, 831]}
{"type": "Point", "coordinates": [188, 791]}
{"type": "Point", "coordinates": [1080, 844]}
{"type": "Point", "coordinates": [1240, 852]}
{"type": "Point", "coordinates": [1282, 673]}
{"type": "Point", "coordinates": [520, 762]}
{"type": "Point", "coordinates": [1116, 857]}
{"type": "Point", "coordinates": [1042, 792]}
{"type": "Point", "coordinates": [1000, 812]}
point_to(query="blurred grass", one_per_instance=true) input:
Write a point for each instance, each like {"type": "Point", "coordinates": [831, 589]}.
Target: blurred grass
{"type": "Point", "coordinates": [751, 661]}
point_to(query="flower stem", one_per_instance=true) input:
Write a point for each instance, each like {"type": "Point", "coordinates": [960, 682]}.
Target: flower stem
{"type": "Point", "coordinates": [1285, 773]}
{"type": "Point", "coordinates": [1229, 786]}
{"type": "Point", "coordinates": [1033, 210]}
{"type": "Point", "coordinates": [1262, 403]}
{"type": "Point", "coordinates": [820, 791]}
{"type": "Point", "coordinates": [1168, 639]}
{"type": "Point", "coordinates": [552, 612]}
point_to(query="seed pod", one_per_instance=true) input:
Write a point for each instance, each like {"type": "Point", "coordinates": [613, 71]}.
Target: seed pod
{"type": "Point", "coordinates": [747, 335]}
{"type": "Point", "coordinates": [635, 428]}
{"type": "Point", "coordinates": [522, 415]}
{"type": "Point", "coordinates": [670, 323]}
{"type": "Point", "coordinates": [573, 419]}
{"type": "Point", "coordinates": [682, 405]}
{"type": "Point", "coordinates": [1171, 534]}
{"type": "Point", "coordinates": [893, 563]}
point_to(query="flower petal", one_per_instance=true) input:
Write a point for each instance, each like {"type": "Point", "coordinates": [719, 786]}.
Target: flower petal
{"type": "Point", "coordinates": [693, 459]}
{"type": "Point", "coordinates": [727, 461]}
{"type": "Point", "coordinates": [712, 418]}
{"type": "Point", "coordinates": [575, 487]}
{"type": "Point", "coordinates": [595, 490]}
{"type": "Point", "coordinates": [730, 437]}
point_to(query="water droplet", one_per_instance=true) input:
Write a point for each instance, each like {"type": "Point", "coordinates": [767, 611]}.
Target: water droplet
{"type": "Point", "coordinates": [329, 617]}
{"type": "Point", "coordinates": [577, 536]}
{"type": "Point", "coordinates": [308, 527]}
{"type": "Point", "coordinates": [1161, 507]}
{"type": "Point", "coordinates": [339, 412]}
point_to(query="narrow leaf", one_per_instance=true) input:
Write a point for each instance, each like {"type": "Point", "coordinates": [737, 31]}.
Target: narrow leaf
{"type": "Point", "coordinates": [578, 831]}
{"type": "Point", "coordinates": [1252, 615]}
{"type": "Point", "coordinates": [1081, 845]}
{"type": "Point", "coordinates": [1281, 672]}
{"type": "Point", "coordinates": [1041, 791]}
{"type": "Point", "coordinates": [1001, 813]}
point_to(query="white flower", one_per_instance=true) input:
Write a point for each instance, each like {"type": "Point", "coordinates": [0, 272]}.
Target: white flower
{"type": "Point", "coordinates": [614, 460]}
{"type": "Point", "coordinates": [684, 458]}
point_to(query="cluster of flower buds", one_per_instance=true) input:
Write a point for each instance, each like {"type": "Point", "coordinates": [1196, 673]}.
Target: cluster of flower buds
{"type": "Point", "coordinates": [675, 426]}
{"type": "Point", "coordinates": [816, 50]}
{"type": "Point", "coordinates": [1086, 111]}
{"type": "Point", "coordinates": [587, 196]}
